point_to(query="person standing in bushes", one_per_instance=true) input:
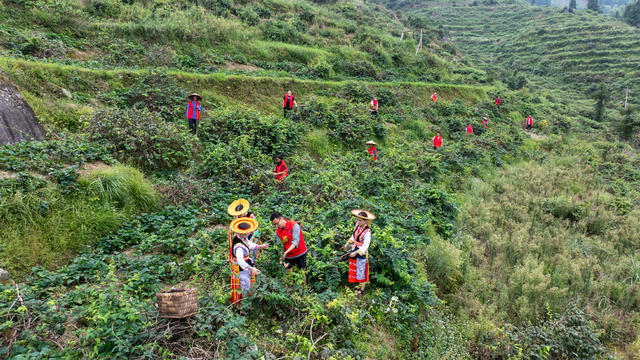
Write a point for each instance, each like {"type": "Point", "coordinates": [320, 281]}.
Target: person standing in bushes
{"type": "Point", "coordinates": [469, 129]}
{"type": "Point", "coordinates": [288, 103]}
{"type": "Point", "coordinates": [437, 141]}
{"type": "Point", "coordinates": [529, 122]}
{"type": "Point", "coordinates": [242, 266]}
{"type": "Point", "coordinates": [485, 122]}
{"type": "Point", "coordinates": [281, 171]}
{"type": "Point", "coordinates": [372, 149]}
{"type": "Point", "coordinates": [193, 112]}
{"type": "Point", "coordinates": [373, 107]}
{"type": "Point", "coordinates": [498, 101]}
{"type": "Point", "coordinates": [434, 97]}
{"type": "Point", "coordinates": [240, 209]}
{"type": "Point", "coordinates": [359, 255]}
{"type": "Point", "coordinates": [290, 234]}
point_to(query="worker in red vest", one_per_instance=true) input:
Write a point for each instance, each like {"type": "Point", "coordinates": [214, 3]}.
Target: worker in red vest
{"type": "Point", "coordinates": [281, 171]}
{"type": "Point", "coordinates": [372, 149]}
{"type": "Point", "coordinates": [290, 234]}
{"type": "Point", "coordinates": [485, 122]}
{"type": "Point", "coordinates": [434, 97]}
{"type": "Point", "coordinates": [373, 107]}
{"type": "Point", "coordinates": [193, 112]}
{"type": "Point", "coordinates": [288, 102]}
{"type": "Point", "coordinates": [437, 141]}
{"type": "Point", "coordinates": [498, 101]}
{"type": "Point", "coordinates": [529, 122]}
{"type": "Point", "coordinates": [469, 129]}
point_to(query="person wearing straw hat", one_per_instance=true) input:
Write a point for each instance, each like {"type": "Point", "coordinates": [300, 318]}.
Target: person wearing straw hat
{"type": "Point", "coordinates": [485, 122]}
{"type": "Point", "coordinates": [372, 149]}
{"type": "Point", "coordinates": [242, 266]}
{"type": "Point", "coordinates": [240, 209]}
{"type": "Point", "coordinates": [359, 255]}
{"type": "Point", "coordinates": [290, 233]}
{"type": "Point", "coordinates": [193, 112]}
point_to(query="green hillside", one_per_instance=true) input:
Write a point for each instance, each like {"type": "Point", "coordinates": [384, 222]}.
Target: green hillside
{"type": "Point", "coordinates": [503, 244]}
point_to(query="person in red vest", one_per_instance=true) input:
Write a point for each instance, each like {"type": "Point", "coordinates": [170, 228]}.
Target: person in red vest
{"type": "Point", "coordinates": [485, 122]}
{"type": "Point", "coordinates": [437, 141]}
{"type": "Point", "coordinates": [434, 97]}
{"type": "Point", "coordinates": [288, 102]}
{"type": "Point", "coordinates": [193, 112]}
{"type": "Point", "coordinates": [281, 171]}
{"type": "Point", "coordinates": [372, 149]}
{"type": "Point", "coordinates": [373, 107]}
{"type": "Point", "coordinates": [359, 255]}
{"type": "Point", "coordinates": [469, 129]}
{"type": "Point", "coordinates": [529, 122]}
{"type": "Point", "coordinates": [498, 101]}
{"type": "Point", "coordinates": [290, 234]}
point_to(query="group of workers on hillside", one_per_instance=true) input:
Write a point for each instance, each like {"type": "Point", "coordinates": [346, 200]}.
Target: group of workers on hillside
{"type": "Point", "coordinates": [245, 247]}
{"type": "Point", "coordinates": [244, 237]}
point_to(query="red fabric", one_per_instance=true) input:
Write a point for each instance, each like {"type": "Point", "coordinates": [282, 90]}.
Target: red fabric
{"type": "Point", "coordinates": [485, 123]}
{"type": "Point", "coordinates": [437, 141]}
{"type": "Point", "coordinates": [286, 235]}
{"type": "Point", "coordinates": [469, 129]}
{"type": "Point", "coordinates": [352, 272]}
{"type": "Point", "coordinates": [193, 105]}
{"type": "Point", "coordinates": [434, 97]}
{"type": "Point", "coordinates": [498, 101]}
{"type": "Point", "coordinates": [529, 120]}
{"type": "Point", "coordinates": [372, 151]}
{"type": "Point", "coordinates": [282, 167]}
{"type": "Point", "coordinates": [374, 104]}
{"type": "Point", "coordinates": [287, 103]}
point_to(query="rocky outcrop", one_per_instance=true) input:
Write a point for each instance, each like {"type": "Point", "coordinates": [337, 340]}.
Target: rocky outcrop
{"type": "Point", "coordinates": [4, 275]}
{"type": "Point", "coordinates": [17, 120]}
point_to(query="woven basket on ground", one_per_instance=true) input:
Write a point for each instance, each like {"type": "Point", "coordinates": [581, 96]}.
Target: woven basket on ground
{"type": "Point", "coordinates": [177, 303]}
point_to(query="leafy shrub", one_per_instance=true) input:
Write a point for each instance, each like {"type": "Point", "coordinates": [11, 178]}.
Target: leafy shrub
{"type": "Point", "coordinates": [104, 8]}
{"type": "Point", "coordinates": [444, 264]}
{"type": "Point", "coordinates": [122, 186]}
{"type": "Point", "coordinates": [564, 208]}
{"type": "Point", "coordinates": [357, 92]}
{"type": "Point", "coordinates": [142, 138]}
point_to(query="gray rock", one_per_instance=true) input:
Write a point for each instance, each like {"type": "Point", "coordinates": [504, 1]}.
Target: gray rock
{"type": "Point", "coordinates": [66, 93]}
{"type": "Point", "coordinates": [4, 275]}
{"type": "Point", "coordinates": [18, 122]}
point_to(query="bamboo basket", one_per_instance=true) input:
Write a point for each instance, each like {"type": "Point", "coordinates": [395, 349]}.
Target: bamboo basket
{"type": "Point", "coordinates": [177, 303]}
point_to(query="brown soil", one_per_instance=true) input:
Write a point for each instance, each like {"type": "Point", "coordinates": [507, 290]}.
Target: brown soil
{"type": "Point", "coordinates": [240, 67]}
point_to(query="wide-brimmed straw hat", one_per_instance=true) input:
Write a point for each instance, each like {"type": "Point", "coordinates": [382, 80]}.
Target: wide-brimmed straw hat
{"type": "Point", "coordinates": [244, 225]}
{"type": "Point", "coordinates": [362, 214]}
{"type": "Point", "coordinates": [198, 97]}
{"type": "Point", "coordinates": [371, 142]}
{"type": "Point", "coordinates": [238, 207]}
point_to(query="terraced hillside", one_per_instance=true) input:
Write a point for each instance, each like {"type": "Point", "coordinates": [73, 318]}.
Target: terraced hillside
{"type": "Point", "coordinates": [566, 49]}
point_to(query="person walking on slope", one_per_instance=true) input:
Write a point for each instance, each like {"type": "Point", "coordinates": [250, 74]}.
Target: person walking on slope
{"type": "Point", "coordinates": [359, 255]}
{"type": "Point", "coordinates": [485, 122]}
{"type": "Point", "coordinates": [281, 171]}
{"type": "Point", "coordinates": [242, 266]}
{"type": "Point", "coordinates": [437, 141]}
{"type": "Point", "coordinates": [373, 107]}
{"type": "Point", "coordinates": [372, 149]}
{"type": "Point", "coordinates": [469, 129]}
{"type": "Point", "coordinates": [434, 97]}
{"type": "Point", "coordinates": [288, 103]}
{"type": "Point", "coordinates": [193, 112]}
{"type": "Point", "coordinates": [529, 122]}
{"type": "Point", "coordinates": [290, 234]}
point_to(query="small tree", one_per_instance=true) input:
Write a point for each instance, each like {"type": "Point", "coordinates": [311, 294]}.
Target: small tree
{"type": "Point", "coordinates": [632, 14]}
{"type": "Point", "coordinates": [593, 5]}
{"type": "Point", "coordinates": [601, 97]}
{"type": "Point", "coordinates": [572, 4]}
{"type": "Point", "coordinates": [630, 123]}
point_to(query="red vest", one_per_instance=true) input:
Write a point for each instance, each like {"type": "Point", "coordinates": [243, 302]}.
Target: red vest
{"type": "Point", "coordinates": [286, 235]}
{"type": "Point", "coordinates": [374, 104]}
{"type": "Point", "coordinates": [437, 141]}
{"type": "Point", "coordinates": [498, 101]}
{"type": "Point", "coordinates": [529, 120]}
{"type": "Point", "coordinates": [282, 167]}
{"type": "Point", "coordinates": [469, 129]}
{"type": "Point", "coordinates": [434, 97]}
{"type": "Point", "coordinates": [287, 103]}
{"type": "Point", "coordinates": [193, 110]}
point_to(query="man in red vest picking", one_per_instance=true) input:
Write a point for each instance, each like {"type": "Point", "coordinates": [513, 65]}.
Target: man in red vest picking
{"type": "Point", "coordinates": [373, 107]}
{"type": "Point", "coordinates": [434, 97]}
{"type": "Point", "coordinates": [498, 101]}
{"type": "Point", "coordinates": [193, 112]}
{"type": "Point", "coordinates": [288, 102]}
{"type": "Point", "coordinates": [372, 149]}
{"type": "Point", "coordinates": [529, 122]}
{"type": "Point", "coordinates": [281, 169]}
{"type": "Point", "coordinates": [469, 129]}
{"type": "Point", "coordinates": [290, 234]}
{"type": "Point", "coordinates": [437, 141]}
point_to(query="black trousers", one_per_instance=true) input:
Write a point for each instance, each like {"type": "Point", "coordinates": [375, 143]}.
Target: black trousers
{"type": "Point", "coordinates": [192, 125]}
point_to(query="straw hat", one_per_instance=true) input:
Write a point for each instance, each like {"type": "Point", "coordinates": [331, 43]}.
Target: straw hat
{"type": "Point", "coordinates": [370, 142]}
{"type": "Point", "coordinates": [198, 97]}
{"type": "Point", "coordinates": [238, 207]}
{"type": "Point", "coordinates": [244, 225]}
{"type": "Point", "coordinates": [362, 214]}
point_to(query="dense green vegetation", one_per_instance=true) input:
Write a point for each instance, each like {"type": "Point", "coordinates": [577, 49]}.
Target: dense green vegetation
{"type": "Point", "coordinates": [503, 244]}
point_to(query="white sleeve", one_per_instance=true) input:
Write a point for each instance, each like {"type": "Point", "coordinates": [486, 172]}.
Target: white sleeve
{"type": "Point", "coordinates": [251, 245]}
{"type": "Point", "coordinates": [365, 244]}
{"type": "Point", "coordinates": [240, 258]}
